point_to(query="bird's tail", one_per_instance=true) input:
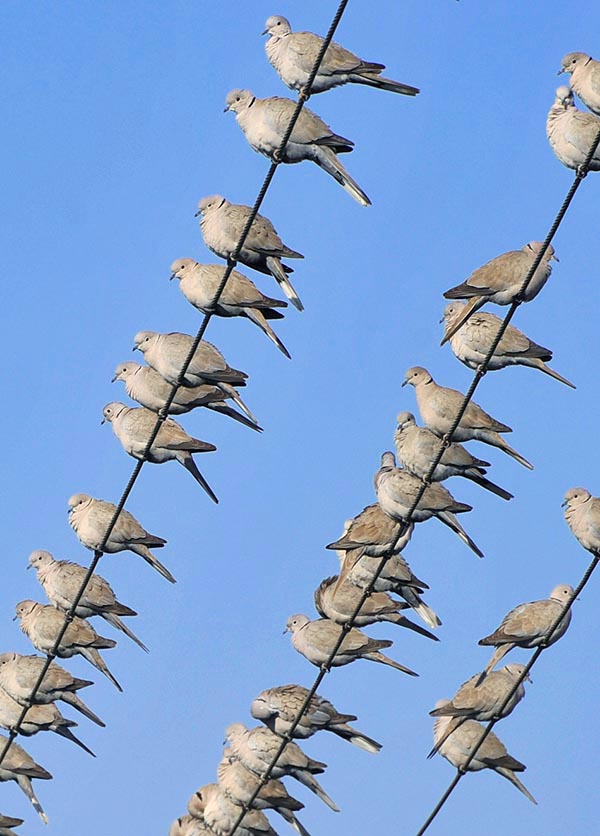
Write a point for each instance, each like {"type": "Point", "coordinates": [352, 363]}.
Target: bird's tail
{"type": "Point", "coordinates": [65, 731]}
{"type": "Point", "coordinates": [510, 775]}
{"type": "Point", "coordinates": [25, 784]}
{"type": "Point", "coordinates": [78, 703]}
{"type": "Point", "coordinates": [490, 486]}
{"type": "Point", "coordinates": [188, 462]}
{"type": "Point", "coordinates": [279, 274]}
{"type": "Point", "coordinates": [94, 658]}
{"type": "Point", "coordinates": [384, 83]}
{"type": "Point", "coordinates": [224, 409]}
{"type": "Point", "coordinates": [497, 441]}
{"type": "Point", "coordinates": [232, 393]}
{"type": "Point", "coordinates": [448, 518]}
{"type": "Point", "coordinates": [376, 656]}
{"type": "Point", "coordinates": [314, 786]}
{"type": "Point", "coordinates": [470, 307]}
{"type": "Point", "coordinates": [258, 318]}
{"type": "Point", "coordinates": [145, 552]}
{"type": "Point", "coordinates": [329, 162]}
{"type": "Point", "coordinates": [539, 364]}
{"type": "Point", "coordinates": [119, 625]}
{"type": "Point", "coordinates": [357, 738]}
{"type": "Point", "coordinates": [403, 621]}
{"type": "Point", "coordinates": [498, 654]}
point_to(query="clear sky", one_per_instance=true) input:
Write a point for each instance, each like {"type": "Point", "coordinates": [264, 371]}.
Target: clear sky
{"type": "Point", "coordinates": [113, 130]}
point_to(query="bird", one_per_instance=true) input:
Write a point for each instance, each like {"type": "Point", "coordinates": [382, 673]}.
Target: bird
{"type": "Point", "coordinates": [439, 407]}
{"type": "Point", "coordinates": [582, 513]}
{"type": "Point", "coordinates": [17, 765]}
{"type": "Point", "coordinates": [189, 826]}
{"type": "Point", "coordinates": [6, 822]}
{"type": "Point", "coordinates": [62, 580]}
{"type": "Point", "coordinates": [279, 707]}
{"type": "Point", "coordinates": [134, 426]}
{"type": "Point", "coordinates": [585, 78]}
{"type": "Point", "coordinates": [222, 224]}
{"type": "Point", "coordinates": [417, 447]}
{"type": "Point", "coordinates": [472, 342]}
{"type": "Point", "coordinates": [294, 54]}
{"type": "Point", "coordinates": [240, 297]}
{"type": "Point", "coordinates": [221, 813]}
{"type": "Point", "coordinates": [500, 281]}
{"type": "Point", "coordinates": [571, 132]}
{"type": "Point", "coordinates": [397, 490]}
{"type": "Point", "coordinates": [374, 533]}
{"type": "Point", "coordinates": [265, 123]}
{"type": "Point", "coordinates": [458, 746]}
{"type": "Point", "coordinates": [90, 519]}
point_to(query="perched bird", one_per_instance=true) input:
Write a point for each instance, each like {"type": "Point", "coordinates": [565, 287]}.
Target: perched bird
{"type": "Point", "coordinates": [417, 447]}
{"type": "Point", "coordinates": [6, 822]}
{"type": "Point", "coordinates": [240, 296]}
{"type": "Point", "coordinates": [528, 625]}
{"type": "Point", "coordinates": [315, 640]}
{"type": "Point", "coordinates": [17, 765]}
{"type": "Point", "coordinates": [582, 513]}
{"type": "Point", "coordinates": [500, 281]}
{"type": "Point", "coordinates": [189, 826]}
{"type": "Point", "coordinates": [90, 518]}
{"type": "Point", "coordinates": [571, 132]}
{"type": "Point", "coordinates": [62, 580]}
{"type": "Point", "coordinates": [439, 407]}
{"type": "Point", "coordinates": [133, 427]}
{"type": "Point", "coordinates": [471, 343]}
{"type": "Point", "coordinates": [19, 674]}
{"type": "Point", "coordinates": [220, 813]}
{"type": "Point", "coordinates": [397, 489]}
{"type": "Point", "coordinates": [294, 54]}
{"type": "Point", "coordinates": [374, 533]}
{"type": "Point", "coordinates": [265, 123]}
{"type": "Point", "coordinates": [149, 389]}
{"type": "Point", "coordinates": [585, 78]}
{"type": "Point", "coordinates": [278, 708]}
{"type": "Point", "coordinates": [458, 745]}
{"type": "Point", "coordinates": [42, 623]}
{"type": "Point", "coordinates": [222, 224]}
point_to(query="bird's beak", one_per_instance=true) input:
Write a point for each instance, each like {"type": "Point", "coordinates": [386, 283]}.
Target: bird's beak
{"type": "Point", "coordinates": [135, 348]}
{"type": "Point", "coordinates": [114, 378]}
{"type": "Point", "coordinates": [287, 630]}
{"type": "Point", "coordinates": [564, 503]}
{"type": "Point", "coordinates": [28, 566]}
{"type": "Point", "coordinates": [265, 32]}
{"type": "Point", "coordinates": [226, 108]}
{"type": "Point", "coordinates": [560, 72]}
{"type": "Point", "coordinates": [15, 618]}
{"type": "Point", "coordinates": [199, 212]}
{"type": "Point", "coordinates": [404, 382]}
{"type": "Point", "coordinates": [528, 679]}
{"type": "Point", "coordinates": [554, 257]}
{"type": "Point", "coordinates": [440, 320]}
{"type": "Point", "coordinates": [103, 421]}
{"type": "Point", "coordinates": [172, 276]}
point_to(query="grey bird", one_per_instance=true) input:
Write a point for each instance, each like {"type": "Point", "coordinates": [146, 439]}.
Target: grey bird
{"type": "Point", "coordinates": [133, 427]}
{"type": "Point", "coordinates": [222, 224]}
{"type": "Point", "coordinates": [582, 513]}
{"type": "Point", "coordinates": [220, 813]}
{"type": "Point", "coordinates": [189, 826]}
{"type": "Point", "coordinates": [499, 281]}
{"type": "Point", "coordinates": [6, 822]}
{"type": "Point", "coordinates": [62, 580]}
{"type": "Point", "coordinates": [585, 78]}
{"type": "Point", "coordinates": [240, 297]}
{"type": "Point", "coordinates": [89, 518]}
{"type": "Point", "coordinates": [265, 122]}
{"type": "Point", "coordinates": [374, 532]}
{"type": "Point", "coordinates": [439, 407]}
{"type": "Point", "coordinates": [18, 766]}
{"type": "Point", "coordinates": [294, 54]}
{"type": "Point", "coordinates": [571, 132]}
{"type": "Point", "coordinates": [279, 707]}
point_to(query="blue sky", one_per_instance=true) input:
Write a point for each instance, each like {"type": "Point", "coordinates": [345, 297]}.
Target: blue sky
{"type": "Point", "coordinates": [113, 131]}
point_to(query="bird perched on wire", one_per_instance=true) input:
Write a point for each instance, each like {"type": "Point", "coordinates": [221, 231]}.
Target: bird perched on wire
{"type": "Point", "coordinates": [571, 132]}
{"type": "Point", "coordinates": [18, 766]}
{"type": "Point", "coordinates": [585, 78]}
{"type": "Point", "coordinates": [582, 513]}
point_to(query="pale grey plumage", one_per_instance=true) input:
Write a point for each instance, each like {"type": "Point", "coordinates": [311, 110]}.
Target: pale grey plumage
{"type": "Point", "coordinates": [572, 132]}
{"type": "Point", "coordinates": [374, 532]}
{"type": "Point", "coordinates": [17, 765]}
{"type": "Point", "coordinates": [585, 78]}
{"type": "Point", "coordinates": [221, 813]}
{"type": "Point", "coordinates": [582, 513]}
{"type": "Point", "coordinates": [189, 826]}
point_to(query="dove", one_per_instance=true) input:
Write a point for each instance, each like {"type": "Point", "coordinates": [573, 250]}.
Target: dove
{"type": "Point", "coordinates": [374, 533]}
{"type": "Point", "coordinates": [222, 224]}
{"type": "Point", "coordinates": [278, 708]}
{"type": "Point", "coordinates": [500, 280]}
{"type": "Point", "coordinates": [528, 624]}
{"type": "Point", "coordinates": [315, 640]}
{"type": "Point", "coordinates": [6, 822]}
{"type": "Point", "coordinates": [90, 518]}
{"type": "Point", "coordinates": [133, 426]}
{"type": "Point", "coordinates": [17, 765]}
{"type": "Point", "coordinates": [397, 489]}
{"type": "Point", "coordinates": [417, 447]}
{"type": "Point", "coordinates": [585, 78]}
{"type": "Point", "coordinates": [189, 826]}
{"type": "Point", "coordinates": [220, 813]}
{"type": "Point", "coordinates": [265, 123]}
{"type": "Point", "coordinates": [491, 754]}
{"type": "Point", "coordinates": [41, 624]}
{"type": "Point", "coordinates": [19, 674]}
{"type": "Point", "coordinates": [471, 343]}
{"type": "Point", "coordinates": [582, 513]}
{"type": "Point", "coordinates": [338, 602]}
{"type": "Point", "coordinates": [571, 132]}
{"type": "Point", "coordinates": [439, 407]}
{"type": "Point", "coordinates": [477, 700]}
{"type": "Point", "coordinates": [62, 581]}
{"type": "Point", "coordinates": [294, 54]}
{"type": "Point", "coordinates": [255, 749]}
{"type": "Point", "coordinates": [240, 296]}
{"type": "Point", "coordinates": [149, 389]}
{"type": "Point", "coordinates": [38, 718]}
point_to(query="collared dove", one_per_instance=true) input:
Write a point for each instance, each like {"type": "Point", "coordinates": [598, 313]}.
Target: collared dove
{"type": "Point", "coordinates": [499, 281]}
{"type": "Point", "coordinates": [571, 132]}
{"type": "Point", "coordinates": [477, 700]}
{"type": "Point", "coordinates": [397, 489]}
{"type": "Point", "coordinates": [6, 822]}
{"type": "Point", "coordinates": [240, 296]}
{"type": "Point", "coordinates": [278, 708]}
{"type": "Point", "coordinates": [37, 719]}
{"type": "Point", "coordinates": [166, 354]}
{"type": "Point", "coordinates": [491, 754]}
{"type": "Point", "coordinates": [151, 390]}
{"type": "Point", "coordinates": [294, 54]}
{"type": "Point", "coordinates": [471, 343]}
{"type": "Point", "coordinates": [255, 749]}
{"type": "Point", "coordinates": [265, 122]}
{"type": "Point", "coordinates": [582, 513]}
{"type": "Point", "coordinates": [222, 224]}
{"type": "Point", "coordinates": [41, 624]}
{"type": "Point", "coordinates": [528, 624]}
{"type": "Point", "coordinates": [62, 580]}
{"type": "Point", "coordinates": [374, 532]}
{"type": "Point", "coordinates": [315, 640]}
{"type": "Point", "coordinates": [18, 675]}
{"type": "Point", "coordinates": [17, 765]}
{"type": "Point", "coordinates": [439, 407]}
{"type": "Point", "coordinates": [89, 518]}
{"type": "Point", "coordinates": [221, 813]}
{"type": "Point", "coordinates": [585, 78]}
{"type": "Point", "coordinates": [417, 447]}
{"type": "Point", "coordinates": [133, 427]}
{"type": "Point", "coordinates": [189, 826]}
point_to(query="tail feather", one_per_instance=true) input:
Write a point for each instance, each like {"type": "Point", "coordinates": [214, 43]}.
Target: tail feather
{"type": "Point", "coordinates": [234, 395]}
{"type": "Point", "coordinates": [25, 784]}
{"type": "Point", "coordinates": [471, 306]}
{"type": "Point", "coordinates": [402, 621]}
{"type": "Point", "coordinates": [384, 83]}
{"type": "Point", "coordinates": [490, 486]}
{"type": "Point", "coordinates": [64, 731]}
{"type": "Point", "coordinates": [328, 161]}
{"type": "Point", "coordinates": [450, 520]}
{"type": "Point", "coordinates": [356, 738]}
{"type": "Point", "coordinates": [510, 776]}
{"type": "Point", "coordinates": [98, 662]}
{"type": "Point", "coordinates": [190, 465]}
{"type": "Point", "coordinates": [76, 702]}
{"type": "Point", "coordinates": [498, 654]}
{"type": "Point", "coordinates": [119, 625]}
{"type": "Point", "coordinates": [451, 727]}
{"type": "Point", "coordinates": [314, 786]}
{"type": "Point", "coordinates": [258, 318]}
{"type": "Point", "coordinates": [501, 444]}
{"type": "Point", "coordinates": [293, 821]}
{"type": "Point", "coordinates": [224, 409]}
{"type": "Point", "coordinates": [385, 660]}
{"type": "Point", "coordinates": [539, 364]}
{"type": "Point", "coordinates": [145, 552]}
{"type": "Point", "coordinates": [278, 271]}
